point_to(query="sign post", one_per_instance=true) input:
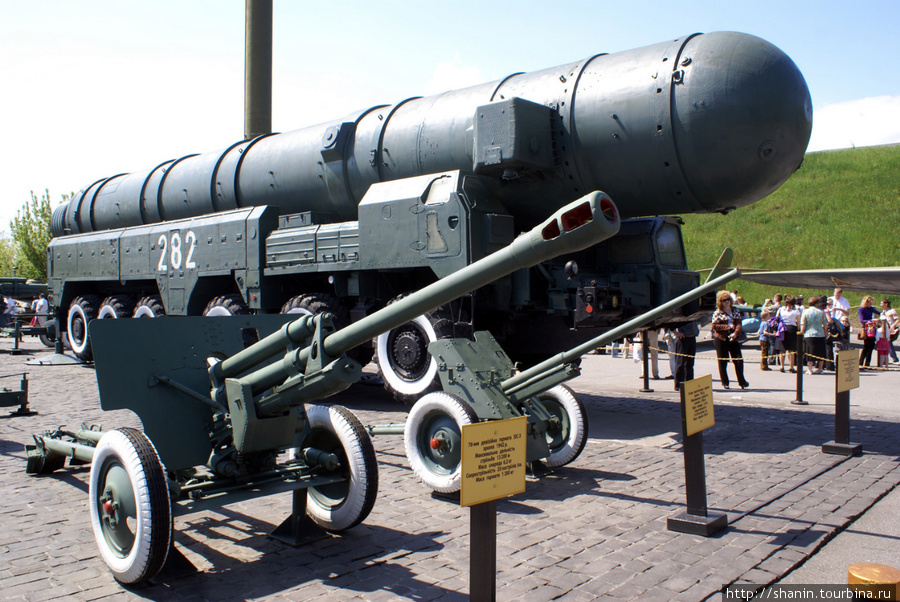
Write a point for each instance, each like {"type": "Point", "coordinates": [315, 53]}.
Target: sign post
{"type": "Point", "coordinates": [846, 378]}
{"type": "Point", "coordinates": [696, 415]}
{"type": "Point", "coordinates": [492, 467]}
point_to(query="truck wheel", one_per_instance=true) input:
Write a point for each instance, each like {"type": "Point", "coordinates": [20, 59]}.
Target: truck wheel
{"type": "Point", "coordinates": [149, 307]}
{"type": "Point", "coordinates": [226, 305]}
{"type": "Point", "coordinates": [567, 441]}
{"type": "Point", "coordinates": [119, 306]}
{"type": "Point", "coordinates": [81, 312]}
{"type": "Point", "coordinates": [339, 506]}
{"type": "Point", "coordinates": [49, 340]}
{"type": "Point", "coordinates": [131, 514]}
{"type": "Point", "coordinates": [433, 439]}
{"type": "Point", "coordinates": [406, 367]}
{"type": "Point", "coordinates": [317, 303]}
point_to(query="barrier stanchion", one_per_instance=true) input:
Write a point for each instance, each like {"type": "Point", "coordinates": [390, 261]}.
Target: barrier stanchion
{"type": "Point", "coordinates": [801, 360]}
{"type": "Point", "coordinates": [846, 378]}
{"type": "Point", "coordinates": [492, 466]}
{"type": "Point", "coordinates": [696, 415]}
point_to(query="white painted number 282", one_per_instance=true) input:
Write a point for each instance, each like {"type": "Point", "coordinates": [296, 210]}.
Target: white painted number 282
{"type": "Point", "coordinates": [174, 251]}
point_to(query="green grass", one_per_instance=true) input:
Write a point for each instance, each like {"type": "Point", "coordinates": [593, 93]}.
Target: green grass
{"type": "Point", "coordinates": [841, 209]}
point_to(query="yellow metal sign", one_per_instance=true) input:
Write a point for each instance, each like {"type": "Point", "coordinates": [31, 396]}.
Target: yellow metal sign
{"type": "Point", "coordinates": [847, 370]}
{"type": "Point", "coordinates": [698, 404]}
{"type": "Point", "coordinates": [493, 460]}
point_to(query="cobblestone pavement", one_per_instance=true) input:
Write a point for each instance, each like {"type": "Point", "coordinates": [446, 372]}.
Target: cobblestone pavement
{"type": "Point", "coordinates": [594, 529]}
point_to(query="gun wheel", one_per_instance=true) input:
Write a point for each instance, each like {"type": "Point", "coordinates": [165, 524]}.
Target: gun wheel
{"type": "Point", "coordinates": [566, 441]}
{"type": "Point", "coordinates": [131, 514]}
{"type": "Point", "coordinates": [339, 506]}
{"type": "Point", "coordinates": [433, 439]}
{"type": "Point", "coordinates": [81, 311]}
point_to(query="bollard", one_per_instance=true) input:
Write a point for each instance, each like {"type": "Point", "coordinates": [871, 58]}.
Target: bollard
{"type": "Point", "coordinates": [874, 581]}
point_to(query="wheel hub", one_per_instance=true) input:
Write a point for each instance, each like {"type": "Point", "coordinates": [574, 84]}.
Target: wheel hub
{"type": "Point", "coordinates": [78, 330]}
{"type": "Point", "coordinates": [109, 509]}
{"type": "Point", "coordinates": [409, 353]}
{"type": "Point", "coordinates": [441, 444]}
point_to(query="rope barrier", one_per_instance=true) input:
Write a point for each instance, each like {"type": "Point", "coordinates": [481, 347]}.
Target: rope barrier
{"type": "Point", "coordinates": [19, 374]}
{"type": "Point", "coordinates": [752, 358]}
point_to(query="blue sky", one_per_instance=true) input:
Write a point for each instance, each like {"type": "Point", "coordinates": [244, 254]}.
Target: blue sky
{"type": "Point", "coordinates": [93, 88]}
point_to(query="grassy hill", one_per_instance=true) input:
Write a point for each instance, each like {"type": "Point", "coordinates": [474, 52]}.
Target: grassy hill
{"type": "Point", "coordinates": [840, 209]}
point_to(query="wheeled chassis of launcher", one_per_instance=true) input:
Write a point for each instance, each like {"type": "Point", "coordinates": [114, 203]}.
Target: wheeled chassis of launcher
{"type": "Point", "coordinates": [202, 450]}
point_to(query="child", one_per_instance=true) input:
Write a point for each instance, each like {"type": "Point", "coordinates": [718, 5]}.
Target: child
{"type": "Point", "coordinates": [764, 340]}
{"type": "Point", "coordinates": [842, 341]}
{"type": "Point", "coordinates": [776, 335]}
{"type": "Point", "coordinates": [882, 344]}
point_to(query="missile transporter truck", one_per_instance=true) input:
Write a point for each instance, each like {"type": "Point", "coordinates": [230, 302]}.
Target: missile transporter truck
{"type": "Point", "coordinates": [352, 215]}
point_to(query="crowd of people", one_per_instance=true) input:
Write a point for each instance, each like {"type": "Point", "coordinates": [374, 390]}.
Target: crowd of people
{"type": "Point", "coordinates": [823, 324]}
{"type": "Point", "coordinates": [9, 309]}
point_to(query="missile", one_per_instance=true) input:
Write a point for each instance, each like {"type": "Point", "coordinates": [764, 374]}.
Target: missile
{"type": "Point", "coordinates": [702, 123]}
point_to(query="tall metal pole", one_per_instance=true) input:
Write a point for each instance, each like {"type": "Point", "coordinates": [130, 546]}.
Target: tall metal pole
{"type": "Point", "coordinates": [258, 68]}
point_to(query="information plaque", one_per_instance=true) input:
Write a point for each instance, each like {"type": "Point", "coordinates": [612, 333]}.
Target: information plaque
{"type": "Point", "coordinates": [847, 370]}
{"type": "Point", "coordinates": [698, 404]}
{"type": "Point", "coordinates": [493, 460]}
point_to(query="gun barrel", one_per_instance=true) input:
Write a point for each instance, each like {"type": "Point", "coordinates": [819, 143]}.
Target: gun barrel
{"type": "Point", "coordinates": [293, 332]}
{"type": "Point", "coordinates": [554, 364]}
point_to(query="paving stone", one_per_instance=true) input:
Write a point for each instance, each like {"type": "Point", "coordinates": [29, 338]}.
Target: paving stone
{"type": "Point", "coordinates": [593, 530]}
{"type": "Point", "coordinates": [680, 582]}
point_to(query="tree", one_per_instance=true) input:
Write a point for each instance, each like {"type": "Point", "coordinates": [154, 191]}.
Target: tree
{"type": "Point", "coordinates": [31, 232]}
{"type": "Point", "coordinates": [8, 257]}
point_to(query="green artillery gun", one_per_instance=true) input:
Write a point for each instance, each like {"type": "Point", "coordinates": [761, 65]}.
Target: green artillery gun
{"type": "Point", "coordinates": [218, 411]}
{"type": "Point", "coordinates": [480, 382]}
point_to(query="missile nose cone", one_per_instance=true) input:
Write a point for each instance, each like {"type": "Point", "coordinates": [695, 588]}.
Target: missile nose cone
{"type": "Point", "coordinates": [741, 119]}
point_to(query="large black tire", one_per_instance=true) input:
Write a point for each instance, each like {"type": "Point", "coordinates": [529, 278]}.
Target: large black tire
{"type": "Point", "coordinates": [317, 303]}
{"type": "Point", "coordinates": [339, 506]}
{"type": "Point", "coordinates": [46, 339]}
{"type": "Point", "coordinates": [117, 306]}
{"type": "Point", "coordinates": [81, 311]}
{"type": "Point", "coordinates": [226, 305]}
{"type": "Point", "coordinates": [405, 366]}
{"type": "Point", "coordinates": [567, 442]}
{"type": "Point", "coordinates": [131, 514]}
{"type": "Point", "coordinates": [149, 307]}
{"type": "Point", "coordinates": [433, 439]}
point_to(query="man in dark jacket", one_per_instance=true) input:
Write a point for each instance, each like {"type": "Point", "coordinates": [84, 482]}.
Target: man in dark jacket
{"type": "Point", "coordinates": [685, 349]}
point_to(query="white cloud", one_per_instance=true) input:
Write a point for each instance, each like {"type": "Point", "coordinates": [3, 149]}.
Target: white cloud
{"type": "Point", "coordinates": [864, 122]}
{"type": "Point", "coordinates": [453, 75]}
